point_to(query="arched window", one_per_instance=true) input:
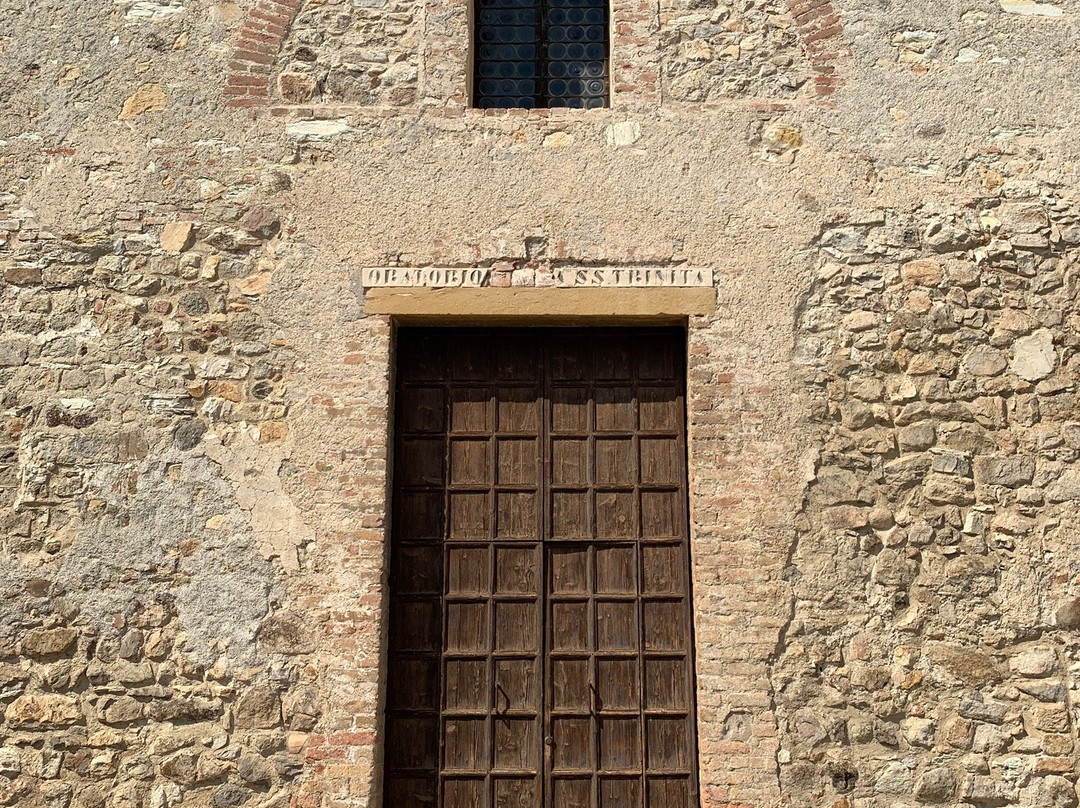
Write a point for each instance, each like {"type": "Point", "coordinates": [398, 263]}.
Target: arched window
{"type": "Point", "coordinates": [541, 53]}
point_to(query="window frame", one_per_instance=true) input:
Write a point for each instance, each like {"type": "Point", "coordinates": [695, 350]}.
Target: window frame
{"type": "Point", "coordinates": [473, 94]}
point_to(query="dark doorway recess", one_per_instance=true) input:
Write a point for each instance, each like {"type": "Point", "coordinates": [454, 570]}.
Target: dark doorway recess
{"type": "Point", "coordinates": [541, 648]}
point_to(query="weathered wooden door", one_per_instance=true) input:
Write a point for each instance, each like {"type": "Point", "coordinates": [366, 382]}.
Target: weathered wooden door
{"type": "Point", "coordinates": [540, 626]}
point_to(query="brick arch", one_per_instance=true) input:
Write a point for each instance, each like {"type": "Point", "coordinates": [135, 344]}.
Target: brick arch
{"type": "Point", "coordinates": [261, 37]}
{"type": "Point", "coordinates": [820, 29]}
{"type": "Point", "coordinates": [267, 24]}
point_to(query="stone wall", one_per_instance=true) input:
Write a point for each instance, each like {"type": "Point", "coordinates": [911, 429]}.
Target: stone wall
{"type": "Point", "coordinates": [145, 644]}
{"type": "Point", "coordinates": [932, 650]}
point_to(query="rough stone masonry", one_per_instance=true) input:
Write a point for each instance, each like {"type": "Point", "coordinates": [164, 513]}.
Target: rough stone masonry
{"type": "Point", "coordinates": [883, 407]}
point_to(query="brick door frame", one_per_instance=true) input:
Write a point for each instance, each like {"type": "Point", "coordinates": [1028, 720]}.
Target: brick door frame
{"type": "Point", "coordinates": [737, 553]}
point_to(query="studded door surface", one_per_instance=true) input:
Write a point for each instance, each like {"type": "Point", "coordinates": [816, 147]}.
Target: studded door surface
{"type": "Point", "coordinates": [540, 641]}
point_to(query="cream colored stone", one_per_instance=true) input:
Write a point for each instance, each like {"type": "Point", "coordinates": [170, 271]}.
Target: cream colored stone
{"type": "Point", "coordinates": [922, 272]}
{"type": "Point", "coordinates": [148, 98]}
{"type": "Point", "coordinates": [558, 140]}
{"type": "Point", "coordinates": [43, 710]}
{"type": "Point", "coordinates": [1033, 355]}
{"type": "Point", "coordinates": [177, 236]}
{"type": "Point", "coordinates": [1030, 8]}
{"type": "Point", "coordinates": [623, 133]}
{"type": "Point", "coordinates": [252, 284]}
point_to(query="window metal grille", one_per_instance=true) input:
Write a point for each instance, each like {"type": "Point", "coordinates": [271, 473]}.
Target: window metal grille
{"type": "Point", "coordinates": [541, 53]}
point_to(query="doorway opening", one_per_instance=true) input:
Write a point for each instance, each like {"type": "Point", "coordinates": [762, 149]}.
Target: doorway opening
{"type": "Point", "coordinates": [540, 636]}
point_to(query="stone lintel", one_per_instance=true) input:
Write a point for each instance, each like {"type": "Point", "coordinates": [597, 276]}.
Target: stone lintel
{"type": "Point", "coordinates": [541, 304]}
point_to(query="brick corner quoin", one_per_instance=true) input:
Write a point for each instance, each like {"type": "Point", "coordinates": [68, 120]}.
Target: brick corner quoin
{"type": "Point", "coordinates": [261, 37]}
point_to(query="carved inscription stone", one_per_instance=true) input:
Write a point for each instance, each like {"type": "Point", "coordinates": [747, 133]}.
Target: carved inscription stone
{"type": "Point", "coordinates": [632, 276]}
{"type": "Point", "coordinates": [424, 276]}
{"type": "Point", "coordinates": [563, 277]}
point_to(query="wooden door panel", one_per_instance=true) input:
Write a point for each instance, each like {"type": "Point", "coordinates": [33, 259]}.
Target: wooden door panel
{"type": "Point", "coordinates": [570, 626]}
{"type": "Point", "coordinates": [656, 359]}
{"type": "Point", "coordinates": [465, 744]}
{"type": "Point", "coordinates": [619, 792]}
{"type": "Point", "coordinates": [410, 792]}
{"type": "Point", "coordinates": [517, 461]}
{"type": "Point", "coordinates": [667, 743]}
{"type": "Point", "coordinates": [516, 626]}
{"type": "Point", "coordinates": [612, 358]}
{"type": "Point", "coordinates": [661, 514]}
{"type": "Point", "coordinates": [411, 742]}
{"type": "Point", "coordinates": [423, 409]}
{"type": "Point", "coordinates": [620, 744]}
{"type": "Point", "coordinates": [516, 516]}
{"type": "Point", "coordinates": [569, 409]}
{"type": "Point", "coordinates": [570, 462]}
{"type": "Point", "coordinates": [467, 571]}
{"type": "Point", "coordinates": [517, 686]}
{"type": "Point", "coordinates": [418, 516]}
{"type": "Point", "coordinates": [417, 625]}
{"type": "Point", "coordinates": [659, 461]}
{"type": "Point", "coordinates": [615, 515]}
{"type": "Point", "coordinates": [417, 569]}
{"type": "Point", "coordinates": [572, 744]}
{"type": "Point", "coordinates": [616, 570]}
{"type": "Point", "coordinates": [466, 686]}
{"type": "Point", "coordinates": [664, 570]}
{"type": "Point", "coordinates": [517, 571]}
{"type": "Point", "coordinates": [570, 515]}
{"type": "Point", "coordinates": [616, 626]}
{"type": "Point", "coordinates": [665, 625]}
{"type": "Point", "coordinates": [519, 409]}
{"type": "Point", "coordinates": [570, 685]}
{"type": "Point", "coordinates": [517, 792]}
{"type": "Point", "coordinates": [470, 409]}
{"type": "Point", "coordinates": [615, 409]}
{"type": "Point", "coordinates": [567, 360]}
{"type": "Point", "coordinates": [470, 358]}
{"type": "Point", "coordinates": [665, 684]}
{"type": "Point", "coordinates": [467, 627]}
{"type": "Point", "coordinates": [517, 743]}
{"type": "Point", "coordinates": [517, 358]}
{"type": "Point", "coordinates": [658, 408]}
{"type": "Point", "coordinates": [470, 461]}
{"type": "Point", "coordinates": [460, 792]}
{"type": "Point", "coordinates": [571, 792]}
{"type": "Point", "coordinates": [569, 569]}
{"type": "Point", "coordinates": [422, 461]}
{"type": "Point", "coordinates": [470, 515]}
{"type": "Point", "coordinates": [423, 675]}
{"type": "Point", "coordinates": [540, 654]}
{"type": "Point", "coordinates": [667, 792]}
{"type": "Point", "coordinates": [617, 684]}
{"type": "Point", "coordinates": [615, 461]}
